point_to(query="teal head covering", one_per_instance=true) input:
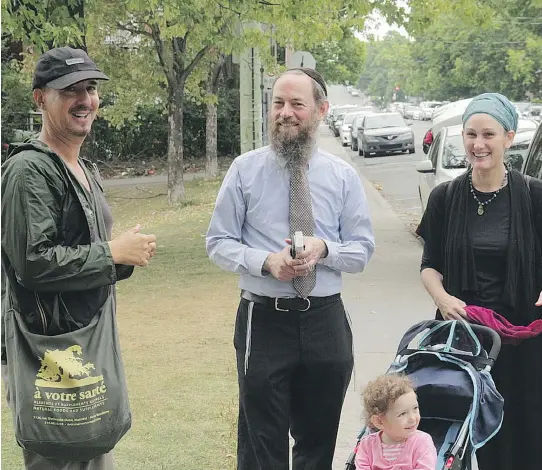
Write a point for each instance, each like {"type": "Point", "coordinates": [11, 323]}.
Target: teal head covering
{"type": "Point", "coordinates": [495, 105]}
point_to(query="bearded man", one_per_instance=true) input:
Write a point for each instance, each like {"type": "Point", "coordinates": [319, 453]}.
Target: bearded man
{"type": "Point", "coordinates": [292, 335]}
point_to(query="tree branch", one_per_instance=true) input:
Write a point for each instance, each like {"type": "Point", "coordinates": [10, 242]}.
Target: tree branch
{"type": "Point", "coordinates": [228, 8]}
{"type": "Point", "coordinates": [168, 70]}
{"type": "Point", "coordinates": [215, 74]}
{"type": "Point", "coordinates": [134, 31]}
{"type": "Point", "coordinates": [195, 61]}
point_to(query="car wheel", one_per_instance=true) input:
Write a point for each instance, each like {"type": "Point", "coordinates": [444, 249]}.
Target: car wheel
{"type": "Point", "coordinates": [411, 151]}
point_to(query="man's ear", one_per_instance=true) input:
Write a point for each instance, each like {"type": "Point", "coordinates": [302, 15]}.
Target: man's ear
{"type": "Point", "coordinates": [39, 98]}
{"type": "Point", "coordinates": [323, 109]}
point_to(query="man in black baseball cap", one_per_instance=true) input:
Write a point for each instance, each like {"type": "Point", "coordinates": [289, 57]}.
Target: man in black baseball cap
{"type": "Point", "coordinates": [64, 66]}
{"type": "Point", "coordinates": [61, 265]}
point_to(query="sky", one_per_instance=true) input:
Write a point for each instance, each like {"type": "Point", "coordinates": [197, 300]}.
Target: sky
{"type": "Point", "coordinates": [376, 24]}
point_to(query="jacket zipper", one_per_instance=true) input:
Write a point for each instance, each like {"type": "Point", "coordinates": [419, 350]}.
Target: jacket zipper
{"type": "Point", "coordinates": [42, 314]}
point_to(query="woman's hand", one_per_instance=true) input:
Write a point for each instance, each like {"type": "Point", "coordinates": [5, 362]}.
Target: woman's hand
{"type": "Point", "coordinates": [453, 308]}
{"type": "Point", "coordinates": [539, 302]}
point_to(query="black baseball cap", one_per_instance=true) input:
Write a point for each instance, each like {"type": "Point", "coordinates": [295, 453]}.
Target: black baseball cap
{"type": "Point", "coordinates": [62, 67]}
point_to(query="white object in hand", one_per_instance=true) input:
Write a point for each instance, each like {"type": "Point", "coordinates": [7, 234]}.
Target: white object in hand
{"type": "Point", "coordinates": [299, 245]}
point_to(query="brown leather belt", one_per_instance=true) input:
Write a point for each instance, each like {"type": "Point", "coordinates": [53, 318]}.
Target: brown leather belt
{"type": "Point", "coordinates": [285, 304]}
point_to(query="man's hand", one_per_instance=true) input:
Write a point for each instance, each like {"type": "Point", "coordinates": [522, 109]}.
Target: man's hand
{"type": "Point", "coordinates": [279, 265]}
{"type": "Point", "coordinates": [305, 261]}
{"type": "Point", "coordinates": [133, 248]}
{"type": "Point", "coordinates": [451, 307]}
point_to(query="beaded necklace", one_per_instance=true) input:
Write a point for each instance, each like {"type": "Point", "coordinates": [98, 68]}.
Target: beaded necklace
{"type": "Point", "coordinates": [481, 204]}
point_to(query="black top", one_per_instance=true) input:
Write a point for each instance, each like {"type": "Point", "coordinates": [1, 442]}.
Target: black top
{"type": "Point", "coordinates": [490, 235]}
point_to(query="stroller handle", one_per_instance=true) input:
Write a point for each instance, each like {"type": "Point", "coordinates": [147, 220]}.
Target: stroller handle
{"type": "Point", "coordinates": [495, 339]}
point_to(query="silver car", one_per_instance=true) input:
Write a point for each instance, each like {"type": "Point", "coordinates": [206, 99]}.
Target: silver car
{"type": "Point", "coordinates": [384, 133]}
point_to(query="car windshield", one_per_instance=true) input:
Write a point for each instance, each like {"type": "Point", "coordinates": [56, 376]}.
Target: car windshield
{"type": "Point", "coordinates": [454, 155]}
{"type": "Point", "coordinates": [378, 122]}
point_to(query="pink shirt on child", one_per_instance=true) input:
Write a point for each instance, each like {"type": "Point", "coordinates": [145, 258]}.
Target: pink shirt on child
{"type": "Point", "coordinates": [418, 453]}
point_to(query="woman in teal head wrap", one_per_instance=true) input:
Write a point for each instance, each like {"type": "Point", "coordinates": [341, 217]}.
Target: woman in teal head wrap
{"type": "Point", "coordinates": [483, 235]}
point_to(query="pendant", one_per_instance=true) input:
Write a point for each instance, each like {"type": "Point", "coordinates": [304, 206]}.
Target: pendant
{"type": "Point", "coordinates": [480, 209]}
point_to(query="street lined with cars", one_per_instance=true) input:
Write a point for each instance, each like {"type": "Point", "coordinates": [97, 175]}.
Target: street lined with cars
{"type": "Point", "coordinates": [406, 180]}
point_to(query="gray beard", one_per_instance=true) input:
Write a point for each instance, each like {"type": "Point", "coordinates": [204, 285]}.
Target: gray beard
{"type": "Point", "coordinates": [293, 151]}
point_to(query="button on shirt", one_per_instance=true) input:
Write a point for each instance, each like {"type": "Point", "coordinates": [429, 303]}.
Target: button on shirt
{"type": "Point", "coordinates": [251, 221]}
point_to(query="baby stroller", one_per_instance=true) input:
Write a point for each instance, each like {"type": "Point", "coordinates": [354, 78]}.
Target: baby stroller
{"type": "Point", "coordinates": [460, 407]}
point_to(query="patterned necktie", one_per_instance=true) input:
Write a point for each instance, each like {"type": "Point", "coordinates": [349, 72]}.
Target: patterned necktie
{"type": "Point", "coordinates": [301, 219]}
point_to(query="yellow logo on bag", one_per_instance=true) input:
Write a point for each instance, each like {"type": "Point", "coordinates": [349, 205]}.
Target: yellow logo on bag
{"type": "Point", "coordinates": [65, 369]}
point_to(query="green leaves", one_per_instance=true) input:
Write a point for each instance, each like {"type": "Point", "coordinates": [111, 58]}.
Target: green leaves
{"type": "Point", "coordinates": [341, 61]}
{"type": "Point", "coordinates": [459, 49]}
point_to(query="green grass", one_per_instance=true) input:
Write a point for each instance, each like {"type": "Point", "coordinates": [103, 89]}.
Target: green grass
{"type": "Point", "coordinates": [176, 321]}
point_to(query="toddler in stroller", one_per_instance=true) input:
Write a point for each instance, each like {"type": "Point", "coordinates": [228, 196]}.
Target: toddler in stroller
{"type": "Point", "coordinates": [391, 408]}
{"type": "Point", "coordinates": [450, 369]}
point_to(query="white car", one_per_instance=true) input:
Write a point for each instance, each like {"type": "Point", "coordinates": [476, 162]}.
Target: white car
{"type": "Point", "coordinates": [428, 107]}
{"type": "Point", "coordinates": [346, 126]}
{"type": "Point", "coordinates": [447, 159]}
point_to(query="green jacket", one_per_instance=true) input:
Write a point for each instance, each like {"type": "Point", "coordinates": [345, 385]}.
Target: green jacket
{"type": "Point", "coordinates": [57, 267]}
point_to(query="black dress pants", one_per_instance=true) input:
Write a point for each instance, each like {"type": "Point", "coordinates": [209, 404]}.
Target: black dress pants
{"type": "Point", "coordinates": [293, 369]}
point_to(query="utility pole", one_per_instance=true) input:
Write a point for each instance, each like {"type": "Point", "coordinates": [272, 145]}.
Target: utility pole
{"type": "Point", "coordinates": [250, 97]}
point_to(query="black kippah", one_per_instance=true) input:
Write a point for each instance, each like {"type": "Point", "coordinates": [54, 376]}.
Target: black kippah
{"type": "Point", "coordinates": [314, 75]}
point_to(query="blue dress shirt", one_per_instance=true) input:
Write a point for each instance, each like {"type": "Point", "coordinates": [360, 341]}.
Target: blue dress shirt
{"type": "Point", "coordinates": [251, 221]}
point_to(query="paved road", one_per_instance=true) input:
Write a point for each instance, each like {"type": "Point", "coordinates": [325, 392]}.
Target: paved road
{"type": "Point", "coordinates": [395, 174]}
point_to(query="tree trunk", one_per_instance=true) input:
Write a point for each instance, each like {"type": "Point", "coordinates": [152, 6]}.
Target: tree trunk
{"type": "Point", "coordinates": [211, 151]}
{"type": "Point", "coordinates": [175, 183]}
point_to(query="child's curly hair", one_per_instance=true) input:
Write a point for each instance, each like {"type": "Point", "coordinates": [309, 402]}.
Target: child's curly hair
{"type": "Point", "coordinates": [381, 393]}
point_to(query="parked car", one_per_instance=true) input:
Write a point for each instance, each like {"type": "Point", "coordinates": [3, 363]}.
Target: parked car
{"type": "Point", "coordinates": [533, 160]}
{"type": "Point", "coordinates": [338, 124]}
{"type": "Point", "coordinates": [384, 133]}
{"type": "Point", "coordinates": [346, 127]}
{"type": "Point", "coordinates": [447, 158]}
{"type": "Point", "coordinates": [336, 112]}
{"type": "Point", "coordinates": [345, 131]}
{"type": "Point", "coordinates": [354, 131]}
{"type": "Point", "coordinates": [399, 107]}
{"type": "Point", "coordinates": [410, 110]}
{"type": "Point", "coordinates": [535, 112]}
{"type": "Point", "coordinates": [427, 108]}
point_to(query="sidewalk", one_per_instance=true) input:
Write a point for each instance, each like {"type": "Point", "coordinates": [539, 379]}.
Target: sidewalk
{"type": "Point", "coordinates": [383, 302]}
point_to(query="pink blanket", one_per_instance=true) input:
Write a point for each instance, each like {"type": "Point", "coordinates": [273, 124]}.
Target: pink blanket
{"type": "Point", "coordinates": [509, 333]}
